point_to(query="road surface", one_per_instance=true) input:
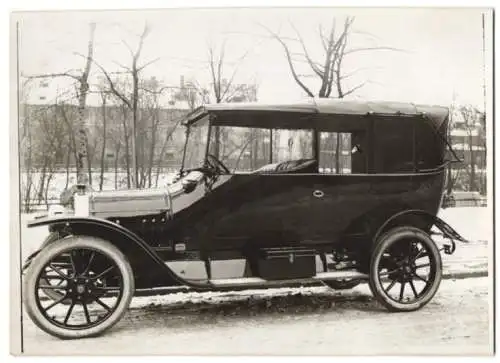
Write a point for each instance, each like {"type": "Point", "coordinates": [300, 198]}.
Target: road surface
{"type": "Point", "coordinates": [308, 321]}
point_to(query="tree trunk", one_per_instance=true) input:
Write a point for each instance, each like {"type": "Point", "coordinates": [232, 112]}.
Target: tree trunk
{"type": "Point", "coordinates": [472, 184]}
{"type": "Point", "coordinates": [127, 150]}
{"type": "Point", "coordinates": [117, 154]}
{"type": "Point", "coordinates": [103, 152]}
{"type": "Point", "coordinates": [154, 128]}
{"type": "Point", "coordinates": [89, 159]}
{"type": "Point", "coordinates": [135, 78]}
{"type": "Point", "coordinates": [41, 183]}
{"type": "Point", "coordinates": [29, 174]}
{"type": "Point", "coordinates": [449, 184]}
{"type": "Point", "coordinates": [68, 158]}
{"type": "Point", "coordinates": [47, 185]}
{"type": "Point", "coordinates": [82, 97]}
{"type": "Point", "coordinates": [217, 141]}
{"type": "Point", "coordinates": [160, 157]}
{"type": "Point", "coordinates": [338, 150]}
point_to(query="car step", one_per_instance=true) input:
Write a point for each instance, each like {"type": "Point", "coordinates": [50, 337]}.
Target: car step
{"type": "Point", "coordinates": [257, 281]}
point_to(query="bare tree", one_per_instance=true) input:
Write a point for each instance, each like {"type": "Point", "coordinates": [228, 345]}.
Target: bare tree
{"type": "Point", "coordinates": [482, 144]}
{"type": "Point", "coordinates": [222, 87]}
{"type": "Point", "coordinates": [104, 137]}
{"type": "Point", "coordinates": [451, 177]}
{"type": "Point", "coordinates": [329, 70]}
{"type": "Point", "coordinates": [471, 118]}
{"type": "Point", "coordinates": [131, 101]}
{"type": "Point", "coordinates": [82, 92]}
{"type": "Point", "coordinates": [26, 150]}
{"type": "Point", "coordinates": [48, 147]}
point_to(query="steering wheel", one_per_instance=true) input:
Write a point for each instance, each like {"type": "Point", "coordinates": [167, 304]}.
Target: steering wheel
{"type": "Point", "coordinates": [217, 164]}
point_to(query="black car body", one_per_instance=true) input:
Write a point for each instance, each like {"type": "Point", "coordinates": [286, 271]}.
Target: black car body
{"type": "Point", "coordinates": [315, 191]}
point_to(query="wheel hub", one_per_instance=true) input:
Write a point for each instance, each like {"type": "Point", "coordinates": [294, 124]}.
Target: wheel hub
{"type": "Point", "coordinates": [406, 271]}
{"type": "Point", "coordinates": [80, 289]}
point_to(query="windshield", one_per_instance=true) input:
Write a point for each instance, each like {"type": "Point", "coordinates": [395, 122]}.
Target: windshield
{"type": "Point", "coordinates": [196, 145]}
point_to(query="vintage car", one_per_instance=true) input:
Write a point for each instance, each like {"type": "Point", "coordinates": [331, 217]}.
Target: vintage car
{"type": "Point", "coordinates": [328, 191]}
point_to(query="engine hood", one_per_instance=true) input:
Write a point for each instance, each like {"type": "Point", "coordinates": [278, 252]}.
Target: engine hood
{"type": "Point", "coordinates": [126, 203]}
{"type": "Point", "coordinates": [137, 202]}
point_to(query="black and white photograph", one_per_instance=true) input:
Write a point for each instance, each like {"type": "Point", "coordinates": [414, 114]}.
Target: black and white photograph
{"type": "Point", "coordinates": [252, 181]}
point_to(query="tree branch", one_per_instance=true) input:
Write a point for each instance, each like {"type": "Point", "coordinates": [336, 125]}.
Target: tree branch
{"type": "Point", "coordinates": [355, 50]}
{"type": "Point", "coordinates": [290, 63]}
{"type": "Point", "coordinates": [148, 64]}
{"type": "Point", "coordinates": [231, 79]}
{"type": "Point", "coordinates": [128, 47]}
{"type": "Point", "coordinates": [323, 38]}
{"type": "Point", "coordinates": [213, 74]}
{"type": "Point", "coordinates": [123, 66]}
{"type": "Point", "coordinates": [306, 54]}
{"type": "Point", "coordinates": [111, 83]}
{"type": "Point", "coordinates": [354, 89]}
{"type": "Point", "coordinates": [53, 75]}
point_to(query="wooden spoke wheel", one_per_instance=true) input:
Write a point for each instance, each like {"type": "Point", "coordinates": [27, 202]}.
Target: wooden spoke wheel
{"type": "Point", "coordinates": [52, 278]}
{"type": "Point", "coordinates": [92, 279]}
{"type": "Point", "coordinates": [405, 269]}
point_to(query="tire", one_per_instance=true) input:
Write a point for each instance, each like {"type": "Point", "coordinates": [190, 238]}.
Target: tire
{"type": "Point", "coordinates": [80, 293]}
{"type": "Point", "coordinates": [52, 294]}
{"type": "Point", "coordinates": [342, 284]}
{"type": "Point", "coordinates": [397, 251]}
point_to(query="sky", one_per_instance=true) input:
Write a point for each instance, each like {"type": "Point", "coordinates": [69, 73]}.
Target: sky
{"type": "Point", "coordinates": [439, 58]}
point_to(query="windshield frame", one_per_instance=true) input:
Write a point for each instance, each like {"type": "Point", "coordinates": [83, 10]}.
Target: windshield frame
{"type": "Point", "coordinates": [189, 127]}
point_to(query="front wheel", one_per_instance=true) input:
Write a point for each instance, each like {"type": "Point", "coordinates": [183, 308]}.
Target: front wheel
{"type": "Point", "coordinates": [405, 269]}
{"type": "Point", "coordinates": [51, 277]}
{"type": "Point", "coordinates": [96, 291]}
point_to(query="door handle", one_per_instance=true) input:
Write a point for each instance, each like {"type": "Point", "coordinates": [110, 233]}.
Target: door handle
{"type": "Point", "coordinates": [318, 193]}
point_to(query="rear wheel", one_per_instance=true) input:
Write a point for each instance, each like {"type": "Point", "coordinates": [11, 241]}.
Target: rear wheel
{"type": "Point", "coordinates": [405, 269]}
{"type": "Point", "coordinates": [97, 289]}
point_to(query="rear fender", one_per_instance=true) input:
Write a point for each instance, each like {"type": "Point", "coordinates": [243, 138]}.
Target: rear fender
{"type": "Point", "coordinates": [423, 218]}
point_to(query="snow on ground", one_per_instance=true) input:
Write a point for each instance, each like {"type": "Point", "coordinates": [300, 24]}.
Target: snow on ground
{"type": "Point", "coordinates": [190, 301]}
{"type": "Point", "coordinates": [308, 321]}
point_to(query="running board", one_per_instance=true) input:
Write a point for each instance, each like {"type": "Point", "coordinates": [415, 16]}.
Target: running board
{"type": "Point", "coordinates": [257, 281]}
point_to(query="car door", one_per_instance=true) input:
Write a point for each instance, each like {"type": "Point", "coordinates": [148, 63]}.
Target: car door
{"type": "Point", "coordinates": [265, 209]}
{"type": "Point", "coordinates": [268, 201]}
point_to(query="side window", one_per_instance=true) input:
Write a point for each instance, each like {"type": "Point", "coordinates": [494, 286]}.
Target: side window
{"type": "Point", "coordinates": [241, 149]}
{"type": "Point", "coordinates": [428, 147]}
{"type": "Point", "coordinates": [335, 153]}
{"type": "Point", "coordinates": [393, 147]}
{"type": "Point", "coordinates": [292, 145]}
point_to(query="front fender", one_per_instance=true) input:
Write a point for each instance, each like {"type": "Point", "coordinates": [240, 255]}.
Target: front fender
{"type": "Point", "coordinates": [148, 267]}
{"type": "Point", "coordinates": [144, 261]}
{"type": "Point", "coordinates": [68, 224]}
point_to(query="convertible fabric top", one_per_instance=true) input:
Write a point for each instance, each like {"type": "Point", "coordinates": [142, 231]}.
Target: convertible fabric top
{"type": "Point", "coordinates": [325, 106]}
